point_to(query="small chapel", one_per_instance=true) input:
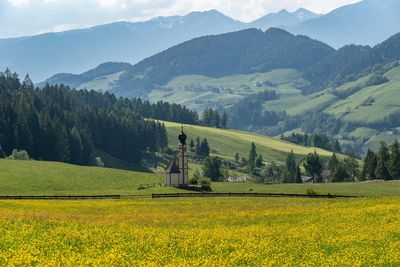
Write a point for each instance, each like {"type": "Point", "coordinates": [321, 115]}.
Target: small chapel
{"type": "Point", "coordinates": [177, 173]}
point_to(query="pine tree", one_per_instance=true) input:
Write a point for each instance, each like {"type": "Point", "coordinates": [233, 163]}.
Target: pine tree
{"type": "Point", "coordinates": [76, 147]}
{"type": "Point", "coordinates": [291, 165]}
{"type": "Point", "coordinates": [192, 146]}
{"type": "Point", "coordinates": [340, 173]}
{"type": "Point", "coordinates": [313, 166]}
{"type": "Point", "coordinates": [336, 146]}
{"type": "Point", "coordinates": [382, 171]}
{"type": "Point", "coordinates": [204, 148]}
{"type": "Point", "coordinates": [369, 166]}
{"type": "Point", "coordinates": [352, 168]}
{"type": "Point", "coordinates": [217, 119]}
{"type": "Point", "coordinates": [27, 83]}
{"type": "Point", "coordinates": [237, 157]}
{"type": "Point", "coordinates": [394, 161]}
{"type": "Point", "coordinates": [252, 153]}
{"type": "Point", "coordinates": [259, 161]}
{"type": "Point", "coordinates": [298, 175]}
{"type": "Point", "coordinates": [197, 146]}
{"type": "Point", "coordinates": [212, 168]}
{"type": "Point", "coordinates": [333, 161]}
{"type": "Point", "coordinates": [252, 157]}
{"type": "Point", "coordinates": [224, 120]}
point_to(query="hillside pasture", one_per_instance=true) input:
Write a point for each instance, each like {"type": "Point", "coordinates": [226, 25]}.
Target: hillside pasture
{"type": "Point", "coordinates": [227, 142]}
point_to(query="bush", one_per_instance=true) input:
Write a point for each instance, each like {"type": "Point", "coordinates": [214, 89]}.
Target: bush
{"type": "Point", "coordinates": [204, 182]}
{"type": "Point", "coordinates": [193, 181]}
{"type": "Point", "coordinates": [19, 155]}
{"type": "Point", "coordinates": [311, 192]}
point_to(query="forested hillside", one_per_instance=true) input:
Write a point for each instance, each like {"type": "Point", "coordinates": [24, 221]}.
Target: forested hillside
{"type": "Point", "coordinates": [242, 52]}
{"type": "Point", "coordinates": [275, 83]}
{"type": "Point", "coordinates": [352, 62]}
{"type": "Point", "coordinates": [60, 124]}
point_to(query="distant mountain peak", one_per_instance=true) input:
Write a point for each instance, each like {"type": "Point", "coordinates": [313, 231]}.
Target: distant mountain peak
{"type": "Point", "coordinates": [305, 14]}
{"type": "Point", "coordinates": [211, 12]}
{"type": "Point", "coordinates": [283, 18]}
{"type": "Point", "coordinates": [283, 11]}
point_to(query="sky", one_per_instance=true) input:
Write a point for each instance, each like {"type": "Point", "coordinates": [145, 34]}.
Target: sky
{"type": "Point", "coordinates": [29, 17]}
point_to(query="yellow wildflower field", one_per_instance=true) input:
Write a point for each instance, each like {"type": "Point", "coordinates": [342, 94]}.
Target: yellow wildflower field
{"type": "Point", "coordinates": [201, 232]}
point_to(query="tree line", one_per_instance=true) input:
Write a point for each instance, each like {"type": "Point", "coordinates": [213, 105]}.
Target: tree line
{"type": "Point", "coordinates": [383, 165]}
{"type": "Point", "coordinates": [57, 123]}
{"type": "Point", "coordinates": [314, 140]}
{"type": "Point", "coordinates": [212, 118]}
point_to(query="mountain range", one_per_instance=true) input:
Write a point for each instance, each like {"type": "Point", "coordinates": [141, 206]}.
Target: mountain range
{"type": "Point", "coordinates": [367, 23]}
{"type": "Point", "coordinates": [78, 50]}
{"type": "Point", "coordinates": [344, 93]}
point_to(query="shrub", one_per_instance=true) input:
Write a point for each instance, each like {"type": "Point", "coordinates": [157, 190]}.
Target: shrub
{"type": "Point", "coordinates": [19, 155]}
{"type": "Point", "coordinates": [204, 182]}
{"type": "Point", "coordinates": [311, 192]}
{"type": "Point", "coordinates": [193, 181]}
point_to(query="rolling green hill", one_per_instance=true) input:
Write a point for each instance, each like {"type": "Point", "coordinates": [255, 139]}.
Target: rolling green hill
{"type": "Point", "coordinates": [52, 178]}
{"type": "Point", "coordinates": [244, 52]}
{"type": "Point", "coordinates": [198, 92]}
{"type": "Point", "coordinates": [361, 113]}
{"type": "Point", "coordinates": [41, 177]}
{"type": "Point", "coordinates": [339, 93]}
{"type": "Point", "coordinates": [226, 143]}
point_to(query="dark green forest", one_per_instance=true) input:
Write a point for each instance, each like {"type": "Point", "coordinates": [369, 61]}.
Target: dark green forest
{"type": "Point", "coordinates": [57, 123]}
{"type": "Point", "coordinates": [241, 52]}
{"type": "Point", "coordinates": [352, 62]}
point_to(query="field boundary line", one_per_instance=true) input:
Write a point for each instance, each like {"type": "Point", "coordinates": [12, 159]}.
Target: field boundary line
{"type": "Point", "coordinates": [169, 195]}
{"type": "Point", "coordinates": [178, 195]}
{"type": "Point", "coordinates": [61, 197]}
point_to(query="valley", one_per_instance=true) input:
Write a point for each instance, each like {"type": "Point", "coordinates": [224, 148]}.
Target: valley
{"type": "Point", "coordinates": [166, 133]}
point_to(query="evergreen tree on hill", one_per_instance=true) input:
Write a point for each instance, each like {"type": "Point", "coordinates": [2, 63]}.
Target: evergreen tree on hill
{"type": "Point", "coordinates": [382, 171]}
{"type": "Point", "coordinates": [369, 167]}
{"type": "Point", "coordinates": [224, 120]}
{"type": "Point", "coordinates": [259, 161]}
{"type": "Point", "coordinates": [313, 166]}
{"type": "Point", "coordinates": [212, 168]}
{"type": "Point", "coordinates": [252, 157]}
{"type": "Point", "coordinates": [340, 173]}
{"type": "Point", "coordinates": [352, 168]}
{"type": "Point", "coordinates": [333, 161]}
{"type": "Point", "coordinates": [57, 123]}
{"type": "Point", "coordinates": [291, 165]}
{"type": "Point", "coordinates": [394, 161]}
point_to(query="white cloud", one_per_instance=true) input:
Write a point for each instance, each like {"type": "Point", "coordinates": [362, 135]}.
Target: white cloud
{"type": "Point", "coordinates": [26, 17]}
{"type": "Point", "coordinates": [19, 3]}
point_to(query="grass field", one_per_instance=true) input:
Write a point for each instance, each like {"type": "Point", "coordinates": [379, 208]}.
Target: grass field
{"type": "Point", "coordinates": [51, 178]}
{"type": "Point", "coordinates": [201, 232]}
{"type": "Point", "coordinates": [228, 142]}
{"type": "Point", "coordinates": [39, 178]}
{"type": "Point", "coordinates": [198, 92]}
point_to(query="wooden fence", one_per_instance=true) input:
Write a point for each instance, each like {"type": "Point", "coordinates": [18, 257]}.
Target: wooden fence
{"type": "Point", "coordinates": [171, 195]}
{"type": "Point", "coordinates": [69, 197]}
{"type": "Point", "coordinates": [178, 195]}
